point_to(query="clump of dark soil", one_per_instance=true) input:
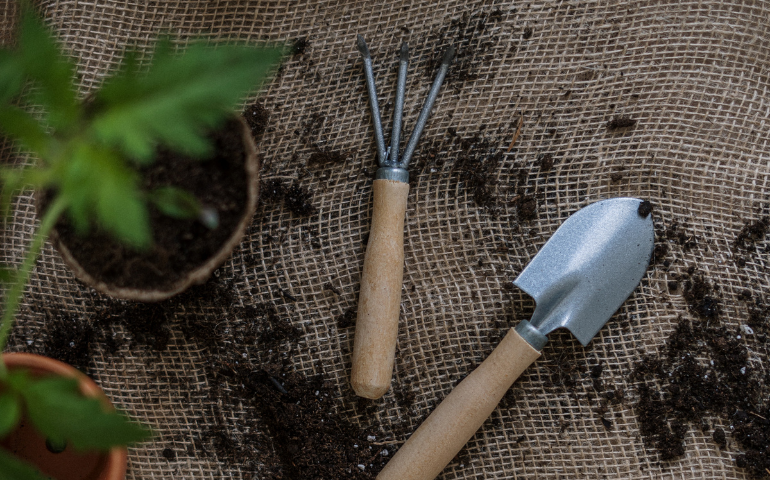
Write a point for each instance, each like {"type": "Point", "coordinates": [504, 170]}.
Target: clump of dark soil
{"type": "Point", "coordinates": [347, 319]}
{"type": "Point", "coordinates": [324, 157]}
{"type": "Point", "coordinates": [294, 197]}
{"type": "Point", "coordinates": [148, 323]}
{"type": "Point", "coordinates": [310, 440]}
{"type": "Point", "coordinates": [68, 339]}
{"type": "Point", "coordinates": [659, 252]}
{"type": "Point", "coordinates": [527, 207]}
{"type": "Point", "coordinates": [679, 235]}
{"type": "Point", "coordinates": [645, 208]}
{"type": "Point", "coordinates": [299, 46]}
{"type": "Point", "coordinates": [701, 298]}
{"type": "Point", "coordinates": [620, 122]}
{"type": "Point", "coordinates": [180, 245]}
{"type": "Point", "coordinates": [546, 162]}
{"type": "Point", "coordinates": [478, 164]}
{"type": "Point", "coordinates": [751, 233]}
{"type": "Point", "coordinates": [258, 118]}
{"type": "Point", "coordinates": [704, 370]}
{"type": "Point", "coordinates": [473, 36]}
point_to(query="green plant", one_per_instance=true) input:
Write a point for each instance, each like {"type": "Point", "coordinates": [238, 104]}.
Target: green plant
{"type": "Point", "coordinates": [87, 154]}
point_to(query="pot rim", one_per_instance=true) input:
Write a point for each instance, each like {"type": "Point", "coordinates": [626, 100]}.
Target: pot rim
{"type": "Point", "coordinates": [199, 274]}
{"type": "Point", "coordinates": [117, 457]}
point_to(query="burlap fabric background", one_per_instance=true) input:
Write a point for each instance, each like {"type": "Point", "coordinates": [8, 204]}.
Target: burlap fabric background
{"type": "Point", "coordinates": [693, 74]}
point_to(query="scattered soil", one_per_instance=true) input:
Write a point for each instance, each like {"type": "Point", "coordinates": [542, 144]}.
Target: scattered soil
{"type": "Point", "coordinates": [473, 36]}
{"type": "Point", "coordinates": [179, 245]}
{"type": "Point", "coordinates": [258, 118]}
{"type": "Point", "coordinates": [704, 370]}
{"type": "Point", "coordinates": [478, 164]}
{"type": "Point", "coordinates": [294, 197]}
{"type": "Point", "coordinates": [751, 233]}
{"type": "Point", "coordinates": [659, 253]}
{"type": "Point", "coordinates": [620, 122]}
{"type": "Point", "coordinates": [527, 208]}
{"type": "Point", "coordinates": [347, 319]}
{"type": "Point", "coordinates": [677, 233]}
{"type": "Point", "coordinates": [299, 46]}
{"type": "Point", "coordinates": [546, 162]}
{"type": "Point", "coordinates": [527, 34]}
{"type": "Point", "coordinates": [310, 440]}
{"type": "Point", "coordinates": [645, 208]}
{"type": "Point", "coordinates": [324, 157]}
{"type": "Point", "coordinates": [68, 339]}
{"type": "Point", "coordinates": [701, 298]}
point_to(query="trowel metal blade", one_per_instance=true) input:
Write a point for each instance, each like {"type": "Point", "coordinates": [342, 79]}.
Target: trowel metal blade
{"type": "Point", "coordinates": [589, 267]}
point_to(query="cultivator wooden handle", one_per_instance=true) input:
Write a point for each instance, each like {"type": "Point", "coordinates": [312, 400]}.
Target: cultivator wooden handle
{"type": "Point", "coordinates": [380, 298]}
{"type": "Point", "coordinates": [461, 413]}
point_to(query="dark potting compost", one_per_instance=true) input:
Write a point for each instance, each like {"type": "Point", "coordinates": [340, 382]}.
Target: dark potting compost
{"type": "Point", "coordinates": [179, 245]}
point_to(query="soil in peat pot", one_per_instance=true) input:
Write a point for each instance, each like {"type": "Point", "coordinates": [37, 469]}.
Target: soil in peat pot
{"type": "Point", "coordinates": [179, 245]}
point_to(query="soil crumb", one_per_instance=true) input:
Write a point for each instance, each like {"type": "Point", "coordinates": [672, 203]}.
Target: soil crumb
{"type": "Point", "coordinates": [751, 233]}
{"type": "Point", "coordinates": [295, 197]}
{"type": "Point", "coordinates": [527, 208]}
{"type": "Point", "coordinates": [620, 122]}
{"type": "Point", "coordinates": [703, 370]}
{"type": "Point", "coordinates": [299, 46]}
{"type": "Point", "coordinates": [324, 157]}
{"type": "Point", "coordinates": [677, 233]}
{"type": "Point", "coordinates": [347, 319]}
{"type": "Point", "coordinates": [700, 297]}
{"type": "Point", "coordinates": [257, 118]}
{"type": "Point", "coordinates": [645, 208]}
{"type": "Point", "coordinates": [546, 162]}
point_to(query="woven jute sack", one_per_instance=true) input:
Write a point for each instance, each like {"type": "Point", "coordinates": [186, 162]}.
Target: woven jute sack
{"type": "Point", "coordinates": [547, 107]}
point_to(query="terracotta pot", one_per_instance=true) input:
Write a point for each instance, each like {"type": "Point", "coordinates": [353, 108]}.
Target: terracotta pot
{"type": "Point", "coordinates": [201, 273]}
{"type": "Point", "coordinates": [27, 444]}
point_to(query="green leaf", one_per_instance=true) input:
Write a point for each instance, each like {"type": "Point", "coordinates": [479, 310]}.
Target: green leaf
{"type": "Point", "coordinates": [176, 202]}
{"type": "Point", "coordinates": [11, 468]}
{"type": "Point", "coordinates": [98, 185]}
{"type": "Point", "coordinates": [178, 98]}
{"type": "Point", "coordinates": [11, 76]}
{"type": "Point", "coordinates": [10, 412]}
{"type": "Point", "coordinates": [53, 74]}
{"type": "Point", "coordinates": [25, 128]}
{"type": "Point", "coordinates": [7, 275]}
{"type": "Point", "coordinates": [58, 409]}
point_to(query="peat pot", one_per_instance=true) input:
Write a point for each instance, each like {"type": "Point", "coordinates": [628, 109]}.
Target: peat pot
{"type": "Point", "coordinates": [185, 251]}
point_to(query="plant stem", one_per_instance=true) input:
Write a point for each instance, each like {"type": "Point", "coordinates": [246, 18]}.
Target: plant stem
{"type": "Point", "coordinates": [16, 290]}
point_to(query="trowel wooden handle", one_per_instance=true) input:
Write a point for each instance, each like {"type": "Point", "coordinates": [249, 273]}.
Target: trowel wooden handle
{"type": "Point", "coordinates": [462, 412]}
{"type": "Point", "coordinates": [374, 346]}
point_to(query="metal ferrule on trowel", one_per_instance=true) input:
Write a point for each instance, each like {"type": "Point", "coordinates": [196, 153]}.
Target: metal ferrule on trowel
{"type": "Point", "coordinates": [580, 277]}
{"type": "Point", "coordinates": [379, 303]}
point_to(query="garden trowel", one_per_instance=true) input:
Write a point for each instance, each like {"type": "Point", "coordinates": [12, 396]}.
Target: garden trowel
{"type": "Point", "coordinates": [579, 278]}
